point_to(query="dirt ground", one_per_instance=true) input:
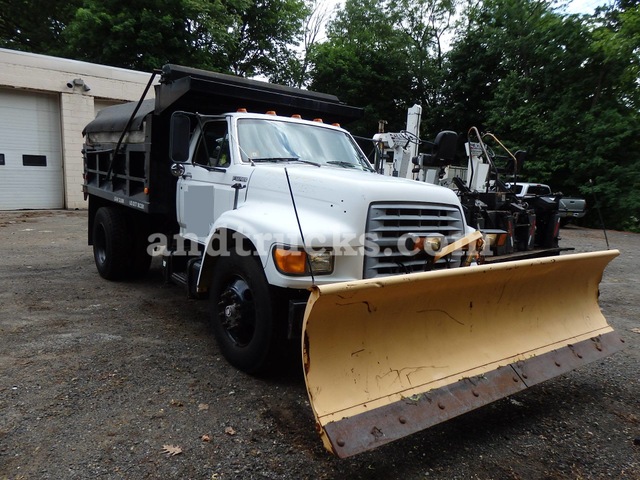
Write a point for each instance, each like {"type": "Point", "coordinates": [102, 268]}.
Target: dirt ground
{"type": "Point", "coordinates": [97, 378]}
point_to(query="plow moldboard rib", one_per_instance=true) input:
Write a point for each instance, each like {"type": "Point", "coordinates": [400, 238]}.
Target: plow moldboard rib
{"type": "Point", "coordinates": [388, 357]}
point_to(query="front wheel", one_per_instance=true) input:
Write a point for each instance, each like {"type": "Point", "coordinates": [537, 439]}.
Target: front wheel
{"type": "Point", "coordinates": [242, 312]}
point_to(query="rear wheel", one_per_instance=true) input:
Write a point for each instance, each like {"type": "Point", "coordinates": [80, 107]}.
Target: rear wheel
{"type": "Point", "coordinates": [242, 313]}
{"type": "Point", "coordinates": [111, 243]}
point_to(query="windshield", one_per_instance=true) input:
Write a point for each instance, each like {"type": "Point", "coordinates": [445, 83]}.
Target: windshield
{"type": "Point", "coordinates": [263, 140]}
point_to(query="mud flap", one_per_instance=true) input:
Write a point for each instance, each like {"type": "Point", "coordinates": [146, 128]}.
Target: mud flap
{"type": "Point", "coordinates": [387, 357]}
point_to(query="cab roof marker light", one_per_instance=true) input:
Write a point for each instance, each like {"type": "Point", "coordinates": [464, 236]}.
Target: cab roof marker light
{"type": "Point", "coordinates": [242, 110]}
{"type": "Point", "coordinates": [296, 115]}
{"type": "Point", "coordinates": [319, 120]}
{"type": "Point", "coordinates": [271, 112]}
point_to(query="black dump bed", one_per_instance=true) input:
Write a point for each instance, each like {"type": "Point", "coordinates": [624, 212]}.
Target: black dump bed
{"type": "Point", "coordinates": [193, 90]}
{"type": "Point", "coordinates": [135, 172]}
{"type": "Point", "coordinates": [115, 118]}
{"type": "Point", "coordinates": [200, 91]}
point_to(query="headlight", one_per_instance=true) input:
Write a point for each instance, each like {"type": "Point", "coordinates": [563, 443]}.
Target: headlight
{"type": "Point", "coordinates": [295, 260]}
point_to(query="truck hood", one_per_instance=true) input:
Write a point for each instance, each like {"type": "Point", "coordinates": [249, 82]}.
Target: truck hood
{"type": "Point", "coordinates": [328, 200]}
{"type": "Point", "coordinates": [334, 185]}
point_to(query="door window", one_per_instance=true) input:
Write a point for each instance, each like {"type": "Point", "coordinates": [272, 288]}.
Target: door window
{"type": "Point", "coordinates": [213, 147]}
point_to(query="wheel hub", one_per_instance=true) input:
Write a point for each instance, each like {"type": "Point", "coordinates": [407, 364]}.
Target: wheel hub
{"type": "Point", "coordinates": [230, 311]}
{"type": "Point", "coordinates": [236, 311]}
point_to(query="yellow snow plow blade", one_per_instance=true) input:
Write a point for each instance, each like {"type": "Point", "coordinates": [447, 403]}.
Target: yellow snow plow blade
{"type": "Point", "coordinates": [387, 357]}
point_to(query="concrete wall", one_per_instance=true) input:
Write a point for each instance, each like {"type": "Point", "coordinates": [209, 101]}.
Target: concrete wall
{"type": "Point", "coordinates": [40, 73]}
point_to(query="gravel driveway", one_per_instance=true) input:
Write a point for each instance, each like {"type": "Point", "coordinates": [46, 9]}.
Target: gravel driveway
{"type": "Point", "coordinates": [125, 381]}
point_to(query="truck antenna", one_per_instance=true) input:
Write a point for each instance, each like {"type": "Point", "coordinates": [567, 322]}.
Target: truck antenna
{"type": "Point", "coordinates": [304, 244]}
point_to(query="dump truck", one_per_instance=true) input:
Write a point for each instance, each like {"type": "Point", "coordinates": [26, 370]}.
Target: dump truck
{"type": "Point", "coordinates": [281, 223]}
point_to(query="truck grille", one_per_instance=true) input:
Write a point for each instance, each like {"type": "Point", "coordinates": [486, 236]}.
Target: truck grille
{"type": "Point", "coordinates": [388, 224]}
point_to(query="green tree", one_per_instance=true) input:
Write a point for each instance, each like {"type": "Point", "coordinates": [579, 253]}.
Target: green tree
{"type": "Point", "coordinates": [245, 37]}
{"type": "Point", "coordinates": [296, 72]}
{"type": "Point", "coordinates": [385, 55]}
{"type": "Point", "coordinates": [424, 26]}
{"type": "Point", "coordinates": [613, 118]}
{"type": "Point", "coordinates": [35, 25]}
{"type": "Point", "coordinates": [364, 64]}
{"type": "Point", "coordinates": [261, 36]}
{"type": "Point", "coordinates": [562, 87]}
{"type": "Point", "coordinates": [145, 34]}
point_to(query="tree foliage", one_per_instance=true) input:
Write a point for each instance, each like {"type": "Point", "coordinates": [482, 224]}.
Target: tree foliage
{"type": "Point", "coordinates": [260, 37]}
{"type": "Point", "coordinates": [141, 34]}
{"type": "Point", "coordinates": [385, 55]}
{"type": "Point", "coordinates": [363, 62]}
{"type": "Point", "coordinates": [424, 26]}
{"type": "Point", "coordinates": [35, 25]}
{"type": "Point", "coordinates": [296, 72]}
{"type": "Point", "coordinates": [245, 37]}
{"type": "Point", "coordinates": [562, 87]}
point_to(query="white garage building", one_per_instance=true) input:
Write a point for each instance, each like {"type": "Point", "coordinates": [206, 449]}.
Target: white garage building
{"type": "Point", "coordinates": [45, 102]}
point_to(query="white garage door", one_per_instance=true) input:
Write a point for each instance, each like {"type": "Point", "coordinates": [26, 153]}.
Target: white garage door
{"type": "Point", "coordinates": [30, 151]}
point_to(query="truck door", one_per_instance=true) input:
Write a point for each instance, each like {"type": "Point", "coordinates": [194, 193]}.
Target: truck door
{"type": "Point", "coordinates": [204, 191]}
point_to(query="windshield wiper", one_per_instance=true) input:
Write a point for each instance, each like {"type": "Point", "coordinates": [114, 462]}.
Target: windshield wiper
{"type": "Point", "coordinates": [344, 164]}
{"type": "Point", "coordinates": [285, 159]}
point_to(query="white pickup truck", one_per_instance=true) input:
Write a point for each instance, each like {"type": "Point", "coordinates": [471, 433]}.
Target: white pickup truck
{"type": "Point", "coordinates": [569, 207]}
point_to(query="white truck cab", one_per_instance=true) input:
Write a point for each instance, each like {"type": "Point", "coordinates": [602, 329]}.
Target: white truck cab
{"type": "Point", "coordinates": [293, 185]}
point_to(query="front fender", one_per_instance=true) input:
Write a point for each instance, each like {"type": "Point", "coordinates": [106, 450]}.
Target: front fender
{"type": "Point", "coordinates": [254, 227]}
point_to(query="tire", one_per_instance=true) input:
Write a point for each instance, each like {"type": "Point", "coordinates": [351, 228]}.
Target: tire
{"type": "Point", "coordinates": [242, 313]}
{"type": "Point", "coordinates": [111, 244]}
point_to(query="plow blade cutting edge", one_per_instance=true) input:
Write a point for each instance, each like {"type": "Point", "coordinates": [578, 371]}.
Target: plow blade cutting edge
{"type": "Point", "coordinates": [387, 357]}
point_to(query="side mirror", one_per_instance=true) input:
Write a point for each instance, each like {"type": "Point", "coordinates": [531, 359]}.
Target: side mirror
{"type": "Point", "coordinates": [180, 137]}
